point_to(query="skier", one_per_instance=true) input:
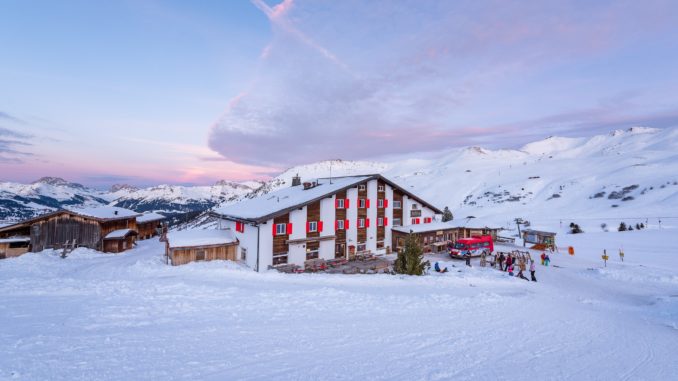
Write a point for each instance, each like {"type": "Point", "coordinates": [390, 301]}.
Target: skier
{"type": "Point", "coordinates": [547, 260]}
{"type": "Point", "coordinates": [532, 269]}
{"type": "Point", "coordinates": [500, 261]}
{"type": "Point", "coordinates": [543, 258]}
{"type": "Point", "coordinates": [467, 256]}
{"type": "Point", "coordinates": [509, 261]}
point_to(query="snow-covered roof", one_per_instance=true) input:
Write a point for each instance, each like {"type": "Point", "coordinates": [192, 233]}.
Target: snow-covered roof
{"type": "Point", "coordinates": [424, 228]}
{"type": "Point", "coordinates": [286, 198]}
{"type": "Point", "coordinates": [119, 234]}
{"type": "Point", "coordinates": [15, 239]}
{"type": "Point", "coordinates": [151, 216]}
{"type": "Point", "coordinates": [198, 237]}
{"type": "Point", "coordinates": [281, 201]}
{"type": "Point", "coordinates": [105, 212]}
{"type": "Point", "coordinates": [540, 232]}
{"type": "Point", "coordinates": [474, 223]}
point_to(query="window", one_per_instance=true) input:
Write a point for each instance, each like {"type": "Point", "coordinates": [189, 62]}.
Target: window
{"type": "Point", "coordinates": [240, 227]}
{"type": "Point", "coordinates": [243, 253]}
{"type": "Point", "coordinates": [340, 225]}
{"type": "Point", "coordinates": [200, 255]}
{"type": "Point", "coordinates": [311, 254]}
{"type": "Point", "coordinates": [361, 222]}
{"type": "Point", "coordinates": [361, 187]}
{"type": "Point", "coordinates": [361, 247]}
{"type": "Point", "coordinates": [397, 204]}
{"type": "Point", "coordinates": [397, 222]}
{"type": "Point", "coordinates": [18, 245]}
{"type": "Point", "coordinates": [361, 203]}
{"type": "Point", "coordinates": [415, 221]}
{"type": "Point", "coordinates": [312, 226]}
{"type": "Point", "coordinates": [415, 206]}
{"type": "Point", "coordinates": [428, 220]}
{"type": "Point", "coordinates": [380, 221]}
{"type": "Point", "coordinates": [279, 259]}
{"type": "Point", "coordinates": [280, 229]}
{"type": "Point", "coordinates": [380, 245]}
{"type": "Point", "coordinates": [380, 188]}
{"type": "Point", "coordinates": [340, 203]}
{"type": "Point", "coordinates": [380, 203]}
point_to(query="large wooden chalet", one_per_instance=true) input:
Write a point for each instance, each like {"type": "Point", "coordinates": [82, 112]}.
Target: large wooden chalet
{"type": "Point", "coordinates": [326, 218]}
{"type": "Point", "coordinates": [108, 229]}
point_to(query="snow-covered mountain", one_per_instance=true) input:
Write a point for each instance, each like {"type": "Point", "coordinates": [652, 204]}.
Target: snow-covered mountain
{"type": "Point", "coordinates": [19, 201]}
{"type": "Point", "coordinates": [629, 173]}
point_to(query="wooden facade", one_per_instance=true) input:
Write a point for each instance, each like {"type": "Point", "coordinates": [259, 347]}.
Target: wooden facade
{"type": "Point", "coordinates": [280, 241]}
{"type": "Point", "coordinates": [183, 255]}
{"type": "Point", "coordinates": [397, 212]}
{"type": "Point", "coordinates": [381, 214]}
{"type": "Point", "coordinates": [149, 229]}
{"type": "Point", "coordinates": [362, 214]}
{"type": "Point", "coordinates": [432, 241]}
{"type": "Point", "coordinates": [13, 247]}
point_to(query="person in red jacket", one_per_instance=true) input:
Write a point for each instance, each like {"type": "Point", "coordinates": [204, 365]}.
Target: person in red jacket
{"type": "Point", "coordinates": [509, 261]}
{"type": "Point", "coordinates": [543, 259]}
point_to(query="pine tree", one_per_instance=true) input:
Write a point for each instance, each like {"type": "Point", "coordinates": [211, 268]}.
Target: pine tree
{"type": "Point", "coordinates": [447, 215]}
{"type": "Point", "coordinates": [409, 260]}
{"type": "Point", "coordinates": [637, 226]}
{"type": "Point", "coordinates": [642, 225]}
{"type": "Point", "coordinates": [622, 227]}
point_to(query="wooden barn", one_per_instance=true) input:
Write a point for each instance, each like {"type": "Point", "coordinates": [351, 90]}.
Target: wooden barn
{"type": "Point", "coordinates": [150, 225]}
{"type": "Point", "coordinates": [85, 227]}
{"type": "Point", "coordinates": [434, 236]}
{"type": "Point", "coordinates": [14, 246]}
{"type": "Point", "coordinates": [119, 240]}
{"type": "Point", "coordinates": [541, 239]}
{"type": "Point", "coordinates": [200, 245]}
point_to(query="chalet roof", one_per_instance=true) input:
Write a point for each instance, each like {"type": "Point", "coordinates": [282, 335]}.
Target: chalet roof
{"type": "Point", "coordinates": [270, 205]}
{"type": "Point", "coordinates": [105, 212]}
{"type": "Point", "coordinates": [539, 232]}
{"type": "Point", "coordinates": [474, 223]}
{"type": "Point", "coordinates": [149, 217]}
{"type": "Point", "coordinates": [120, 234]}
{"type": "Point", "coordinates": [199, 237]}
{"type": "Point", "coordinates": [425, 228]}
{"type": "Point", "coordinates": [15, 239]}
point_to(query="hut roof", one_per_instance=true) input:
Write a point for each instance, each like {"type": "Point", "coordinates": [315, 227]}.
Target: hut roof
{"type": "Point", "coordinates": [425, 228]}
{"type": "Point", "coordinates": [149, 217]}
{"type": "Point", "coordinates": [198, 237]}
{"type": "Point", "coordinates": [105, 212]}
{"type": "Point", "coordinates": [120, 234]}
{"type": "Point", "coordinates": [539, 232]}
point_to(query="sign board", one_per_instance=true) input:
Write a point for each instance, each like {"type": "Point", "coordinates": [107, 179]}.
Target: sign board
{"type": "Point", "coordinates": [439, 232]}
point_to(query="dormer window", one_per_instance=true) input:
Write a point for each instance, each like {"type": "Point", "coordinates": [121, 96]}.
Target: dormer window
{"type": "Point", "coordinates": [380, 188]}
{"type": "Point", "coordinates": [362, 187]}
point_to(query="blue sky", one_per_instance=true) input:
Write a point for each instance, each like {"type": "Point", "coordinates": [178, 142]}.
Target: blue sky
{"type": "Point", "coordinates": [191, 92]}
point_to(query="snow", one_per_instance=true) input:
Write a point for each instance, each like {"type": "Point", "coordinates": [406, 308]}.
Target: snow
{"type": "Point", "coordinates": [117, 234]}
{"type": "Point", "coordinates": [265, 205]}
{"type": "Point", "coordinates": [15, 239]}
{"type": "Point", "coordinates": [131, 316]}
{"type": "Point", "coordinates": [151, 216]}
{"type": "Point", "coordinates": [105, 212]}
{"type": "Point", "coordinates": [200, 237]}
{"type": "Point", "coordinates": [421, 228]}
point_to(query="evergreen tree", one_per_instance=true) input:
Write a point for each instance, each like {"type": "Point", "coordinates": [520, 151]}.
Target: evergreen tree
{"type": "Point", "coordinates": [447, 215]}
{"type": "Point", "coordinates": [409, 260]}
{"type": "Point", "coordinates": [642, 225]}
{"type": "Point", "coordinates": [630, 227]}
{"type": "Point", "coordinates": [622, 227]}
{"type": "Point", "coordinates": [637, 226]}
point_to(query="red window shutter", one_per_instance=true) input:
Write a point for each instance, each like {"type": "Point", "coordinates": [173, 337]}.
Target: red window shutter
{"type": "Point", "coordinates": [308, 226]}
{"type": "Point", "coordinates": [274, 229]}
{"type": "Point", "coordinates": [367, 203]}
{"type": "Point", "coordinates": [367, 222]}
{"type": "Point", "coordinates": [336, 225]}
{"type": "Point", "coordinates": [346, 204]}
{"type": "Point", "coordinates": [336, 203]}
{"type": "Point", "coordinates": [320, 226]}
{"type": "Point", "coordinates": [385, 203]}
{"type": "Point", "coordinates": [289, 228]}
{"type": "Point", "coordinates": [346, 224]}
{"type": "Point", "coordinates": [385, 221]}
{"type": "Point", "coordinates": [418, 221]}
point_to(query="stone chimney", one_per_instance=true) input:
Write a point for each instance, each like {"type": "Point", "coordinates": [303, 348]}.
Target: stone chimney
{"type": "Point", "coordinates": [296, 180]}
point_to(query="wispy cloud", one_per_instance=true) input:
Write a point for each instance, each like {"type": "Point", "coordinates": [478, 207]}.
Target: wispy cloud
{"type": "Point", "coordinates": [10, 143]}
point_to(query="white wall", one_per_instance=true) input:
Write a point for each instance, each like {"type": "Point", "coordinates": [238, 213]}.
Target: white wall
{"type": "Point", "coordinates": [372, 215]}
{"type": "Point", "coordinates": [327, 216]}
{"type": "Point", "coordinates": [297, 252]}
{"type": "Point", "coordinates": [352, 216]}
{"type": "Point", "coordinates": [265, 245]}
{"type": "Point", "coordinates": [388, 213]}
{"type": "Point", "coordinates": [247, 240]}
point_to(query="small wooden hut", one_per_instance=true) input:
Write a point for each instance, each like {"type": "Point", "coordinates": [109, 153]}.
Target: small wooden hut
{"type": "Point", "coordinates": [200, 245]}
{"type": "Point", "coordinates": [541, 239]}
{"type": "Point", "coordinates": [433, 236]}
{"type": "Point", "coordinates": [14, 246]}
{"type": "Point", "coordinates": [119, 240]}
{"type": "Point", "coordinates": [85, 227]}
{"type": "Point", "coordinates": [150, 225]}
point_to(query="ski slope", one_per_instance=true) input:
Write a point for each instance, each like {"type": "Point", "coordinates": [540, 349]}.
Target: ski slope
{"type": "Point", "coordinates": [130, 316]}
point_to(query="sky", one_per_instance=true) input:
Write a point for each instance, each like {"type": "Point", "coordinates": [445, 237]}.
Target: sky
{"type": "Point", "coordinates": [149, 92]}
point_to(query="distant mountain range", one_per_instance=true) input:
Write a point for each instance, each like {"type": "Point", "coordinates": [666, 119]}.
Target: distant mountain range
{"type": "Point", "coordinates": [626, 173]}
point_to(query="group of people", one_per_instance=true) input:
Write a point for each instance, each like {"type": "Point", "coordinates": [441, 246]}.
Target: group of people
{"type": "Point", "coordinates": [508, 262]}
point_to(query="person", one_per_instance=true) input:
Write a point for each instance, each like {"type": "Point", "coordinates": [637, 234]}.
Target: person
{"type": "Point", "coordinates": [509, 261]}
{"type": "Point", "coordinates": [438, 269]}
{"type": "Point", "coordinates": [532, 269]}
{"type": "Point", "coordinates": [501, 261]}
{"type": "Point", "coordinates": [547, 260]}
{"type": "Point", "coordinates": [509, 268]}
{"type": "Point", "coordinates": [467, 256]}
{"type": "Point", "coordinates": [543, 259]}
